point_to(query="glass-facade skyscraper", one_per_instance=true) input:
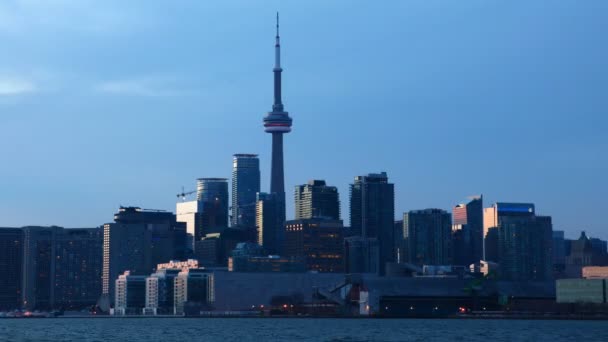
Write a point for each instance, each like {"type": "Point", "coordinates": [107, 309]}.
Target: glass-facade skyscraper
{"type": "Point", "coordinates": [372, 214]}
{"type": "Point", "coordinates": [317, 199]}
{"type": "Point", "coordinates": [245, 186]}
{"type": "Point", "coordinates": [212, 198]}
{"type": "Point", "coordinates": [519, 240]}
{"type": "Point", "coordinates": [428, 236]}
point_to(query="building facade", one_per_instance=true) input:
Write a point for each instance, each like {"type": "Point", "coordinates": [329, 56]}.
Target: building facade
{"type": "Point", "coordinates": [212, 197]}
{"type": "Point", "coordinates": [523, 241]}
{"type": "Point", "coordinates": [372, 211]}
{"type": "Point", "coordinates": [361, 255]}
{"type": "Point", "coordinates": [130, 294]}
{"type": "Point", "coordinates": [245, 186]}
{"type": "Point", "coordinates": [61, 267]}
{"type": "Point", "coordinates": [467, 229]}
{"type": "Point", "coordinates": [137, 241]}
{"type": "Point", "coordinates": [269, 223]}
{"type": "Point", "coordinates": [11, 258]}
{"type": "Point", "coordinates": [317, 200]}
{"type": "Point", "coordinates": [428, 236]}
{"type": "Point", "coordinates": [194, 290]}
{"type": "Point", "coordinates": [319, 242]}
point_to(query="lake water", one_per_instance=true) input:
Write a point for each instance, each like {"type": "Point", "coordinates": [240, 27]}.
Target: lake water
{"type": "Point", "coordinates": [269, 329]}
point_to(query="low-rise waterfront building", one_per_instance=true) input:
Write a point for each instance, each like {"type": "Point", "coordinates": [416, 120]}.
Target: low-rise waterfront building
{"type": "Point", "coordinates": [581, 291]}
{"type": "Point", "coordinates": [130, 294]}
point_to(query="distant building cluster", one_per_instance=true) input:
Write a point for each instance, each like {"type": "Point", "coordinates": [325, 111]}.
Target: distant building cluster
{"type": "Point", "coordinates": [217, 253]}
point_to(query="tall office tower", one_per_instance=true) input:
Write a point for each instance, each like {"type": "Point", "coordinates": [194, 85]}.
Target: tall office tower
{"type": "Point", "coordinates": [524, 241]}
{"type": "Point", "coordinates": [137, 241]}
{"type": "Point", "coordinates": [270, 225]}
{"type": "Point", "coordinates": [11, 256]}
{"type": "Point", "coordinates": [372, 214]}
{"type": "Point", "coordinates": [317, 241]}
{"type": "Point", "coordinates": [212, 197]}
{"type": "Point", "coordinates": [428, 236]}
{"type": "Point", "coordinates": [316, 199]}
{"type": "Point", "coordinates": [467, 229]}
{"type": "Point", "coordinates": [277, 122]}
{"type": "Point", "coordinates": [245, 185]}
{"type": "Point", "coordinates": [61, 267]}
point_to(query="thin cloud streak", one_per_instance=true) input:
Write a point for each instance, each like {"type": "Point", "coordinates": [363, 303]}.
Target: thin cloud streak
{"type": "Point", "coordinates": [147, 87]}
{"type": "Point", "coordinates": [14, 86]}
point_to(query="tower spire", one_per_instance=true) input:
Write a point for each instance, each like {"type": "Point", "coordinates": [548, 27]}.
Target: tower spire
{"type": "Point", "coordinates": [277, 48]}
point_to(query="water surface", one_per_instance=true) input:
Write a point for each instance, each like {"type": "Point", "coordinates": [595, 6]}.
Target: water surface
{"type": "Point", "coordinates": [304, 329]}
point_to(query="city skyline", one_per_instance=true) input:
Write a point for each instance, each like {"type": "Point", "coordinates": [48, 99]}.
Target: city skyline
{"type": "Point", "coordinates": [50, 175]}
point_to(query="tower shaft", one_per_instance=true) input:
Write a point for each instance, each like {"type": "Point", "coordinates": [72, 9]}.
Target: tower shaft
{"type": "Point", "coordinates": [277, 176]}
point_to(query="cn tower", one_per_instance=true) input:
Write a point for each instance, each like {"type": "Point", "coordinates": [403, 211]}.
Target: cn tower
{"type": "Point", "coordinates": [277, 122]}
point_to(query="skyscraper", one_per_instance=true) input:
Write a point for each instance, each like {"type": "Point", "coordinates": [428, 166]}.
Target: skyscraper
{"type": "Point", "coordinates": [137, 241]}
{"type": "Point", "coordinates": [245, 185]}
{"type": "Point", "coordinates": [467, 230]}
{"type": "Point", "coordinates": [372, 215]}
{"type": "Point", "coordinates": [11, 256]}
{"type": "Point", "coordinates": [212, 197]}
{"type": "Point", "coordinates": [271, 229]}
{"type": "Point", "coordinates": [316, 199]}
{"type": "Point", "coordinates": [524, 241]}
{"type": "Point", "coordinates": [277, 122]}
{"type": "Point", "coordinates": [492, 217]}
{"type": "Point", "coordinates": [427, 234]}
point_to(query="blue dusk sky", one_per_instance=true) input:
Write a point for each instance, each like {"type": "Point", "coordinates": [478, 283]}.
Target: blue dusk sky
{"type": "Point", "coordinates": [108, 103]}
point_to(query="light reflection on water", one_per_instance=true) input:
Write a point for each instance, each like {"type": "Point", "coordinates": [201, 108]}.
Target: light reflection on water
{"type": "Point", "coordinates": [304, 329]}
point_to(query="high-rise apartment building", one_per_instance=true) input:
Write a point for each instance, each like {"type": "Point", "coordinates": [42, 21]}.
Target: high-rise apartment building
{"type": "Point", "coordinates": [245, 186]}
{"type": "Point", "coordinates": [11, 256]}
{"type": "Point", "coordinates": [372, 211]}
{"type": "Point", "coordinates": [428, 236]}
{"type": "Point", "coordinates": [317, 199]}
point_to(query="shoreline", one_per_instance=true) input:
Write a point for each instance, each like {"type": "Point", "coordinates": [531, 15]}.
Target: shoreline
{"type": "Point", "coordinates": [457, 317]}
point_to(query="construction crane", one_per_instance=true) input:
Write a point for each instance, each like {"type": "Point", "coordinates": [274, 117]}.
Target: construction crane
{"type": "Point", "coordinates": [183, 194]}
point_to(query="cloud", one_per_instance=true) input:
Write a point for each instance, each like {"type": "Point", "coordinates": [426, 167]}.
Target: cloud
{"type": "Point", "coordinates": [145, 86]}
{"type": "Point", "coordinates": [15, 86]}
